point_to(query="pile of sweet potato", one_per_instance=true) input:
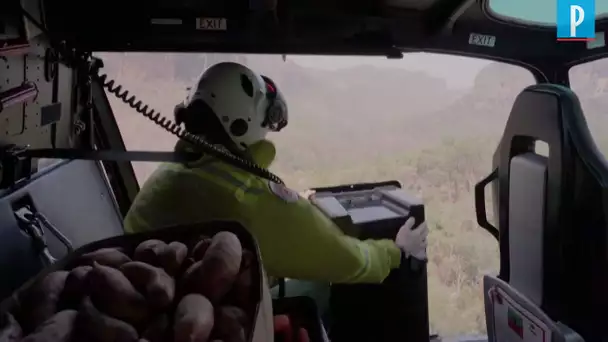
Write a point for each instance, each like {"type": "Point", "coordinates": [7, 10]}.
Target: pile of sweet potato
{"type": "Point", "coordinates": [181, 292]}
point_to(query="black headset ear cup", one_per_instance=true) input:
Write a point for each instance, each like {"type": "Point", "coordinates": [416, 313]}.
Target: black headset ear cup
{"type": "Point", "coordinates": [274, 113]}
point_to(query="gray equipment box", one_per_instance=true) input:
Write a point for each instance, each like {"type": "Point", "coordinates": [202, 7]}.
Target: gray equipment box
{"type": "Point", "coordinates": [397, 309]}
{"type": "Point", "coordinates": [369, 211]}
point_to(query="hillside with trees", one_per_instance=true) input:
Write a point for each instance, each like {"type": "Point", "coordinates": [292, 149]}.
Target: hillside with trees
{"type": "Point", "coordinates": [367, 123]}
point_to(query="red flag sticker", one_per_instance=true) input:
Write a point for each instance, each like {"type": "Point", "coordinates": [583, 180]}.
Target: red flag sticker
{"type": "Point", "coordinates": [515, 322]}
{"type": "Point", "coordinates": [283, 192]}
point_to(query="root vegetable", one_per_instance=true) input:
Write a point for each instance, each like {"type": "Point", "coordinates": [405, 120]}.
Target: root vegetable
{"type": "Point", "coordinates": [200, 249]}
{"type": "Point", "coordinates": [10, 330]}
{"type": "Point", "coordinates": [247, 260]}
{"type": "Point", "coordinates": [230, 324]}
{"type": "Point", "coordinates": [215, 274]}
{"type": "Point", "coordinates": [172, 257]}
{"type": "Point", "coordinates": [189, 280]}
{"type": "Point", "coordinates": [186, 265]}
{"type": "Point", "coordinates": [241, 292]}
{"type": "Point", "coordinates": [157, 330]}
{"type": "Point", "coordinates": [113, 257]}
{"type": "Point", "coordinates": [93, 325]}
{"type": "Point", "coordinates": [153, 282]}
{"type": "Point", "coordinates": [40, 302]}
{"type": "Point", "coordinates": [75, 287]}
{"type": "Point", "coordinates": [149, 252]}
{"type": "Point", "coordinates": [58, 328]}
{"type": "Point", "coordinates": [192, 243]}
{"type": "Point", "coordinates": [193, 319]}
{"type": "Point", "coordinates": [114, 295]}
{"type": "Point", "coordinates": [234, 313]}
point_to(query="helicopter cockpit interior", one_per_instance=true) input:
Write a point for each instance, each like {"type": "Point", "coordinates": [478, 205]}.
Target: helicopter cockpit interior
{"type": "Point", "coordinates": [551, 210]}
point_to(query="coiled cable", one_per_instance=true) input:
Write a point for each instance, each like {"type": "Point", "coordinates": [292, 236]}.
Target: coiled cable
{"type": "Point", "coordinates": [84, 61]}
{"type": "Point", "coordinates": [170, 126]}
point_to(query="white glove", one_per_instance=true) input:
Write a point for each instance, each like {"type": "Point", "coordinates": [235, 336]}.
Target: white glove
{"type": "Point", "coordinates": [413, 241]}
{"type": "Point", "coordinates": [306, 194]}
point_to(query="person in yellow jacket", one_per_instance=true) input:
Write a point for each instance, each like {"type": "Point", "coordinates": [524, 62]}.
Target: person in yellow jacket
{"type": "Point", "coordinates": [233, 107]}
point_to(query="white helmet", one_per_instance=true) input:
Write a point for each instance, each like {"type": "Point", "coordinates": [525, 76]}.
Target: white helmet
{"type": "Point", "coordinates": [248, 105]}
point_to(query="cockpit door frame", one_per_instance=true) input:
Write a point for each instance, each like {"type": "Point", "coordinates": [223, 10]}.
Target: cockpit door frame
{"type": "Point", "coordinates": [121, 175]}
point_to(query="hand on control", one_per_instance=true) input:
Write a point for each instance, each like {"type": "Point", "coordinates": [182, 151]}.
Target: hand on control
{"type": "Point", "coordinates": [412, 239]}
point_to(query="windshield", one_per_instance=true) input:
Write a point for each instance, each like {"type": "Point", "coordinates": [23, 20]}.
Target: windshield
{"type": "Point", "coordinates": [430, 121]}
{"type": "Point", "coordinates": [536, 11]}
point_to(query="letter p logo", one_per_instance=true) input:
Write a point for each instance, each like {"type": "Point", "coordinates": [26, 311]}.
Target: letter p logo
{"type": "Point", "coordinates": [577, 16]}
{"type": "Point", "coordinates": [575, 19]}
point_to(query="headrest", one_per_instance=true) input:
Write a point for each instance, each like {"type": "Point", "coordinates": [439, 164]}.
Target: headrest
{"type": "Point", "coordinates": [538, 112]}
{"type": "Point", "coordinates": [547, 111]}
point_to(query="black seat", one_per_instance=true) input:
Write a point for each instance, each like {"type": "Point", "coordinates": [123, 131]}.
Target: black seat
{"type": "Point", "coordinates": [552, 209]}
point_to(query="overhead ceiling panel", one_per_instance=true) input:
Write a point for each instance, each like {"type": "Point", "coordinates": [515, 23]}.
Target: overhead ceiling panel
{"type": "Point", "coordinates": [410, 4]}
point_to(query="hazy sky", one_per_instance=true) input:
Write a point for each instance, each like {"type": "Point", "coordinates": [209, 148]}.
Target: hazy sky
{"type": "Point", "coordinates": [544, 11]}
{"type": "Point", "coordinates": [457, 71]}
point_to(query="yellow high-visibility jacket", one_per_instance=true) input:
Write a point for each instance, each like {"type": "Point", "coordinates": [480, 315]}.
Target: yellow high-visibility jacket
{"type": "Point", "coordinates": [296, 239]}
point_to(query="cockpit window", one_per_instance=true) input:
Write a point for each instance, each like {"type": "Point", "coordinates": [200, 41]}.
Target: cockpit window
{"type": "Point", "coordinates": [543, 12]}
{"type": "Point", "coordinates": [430, 121]}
